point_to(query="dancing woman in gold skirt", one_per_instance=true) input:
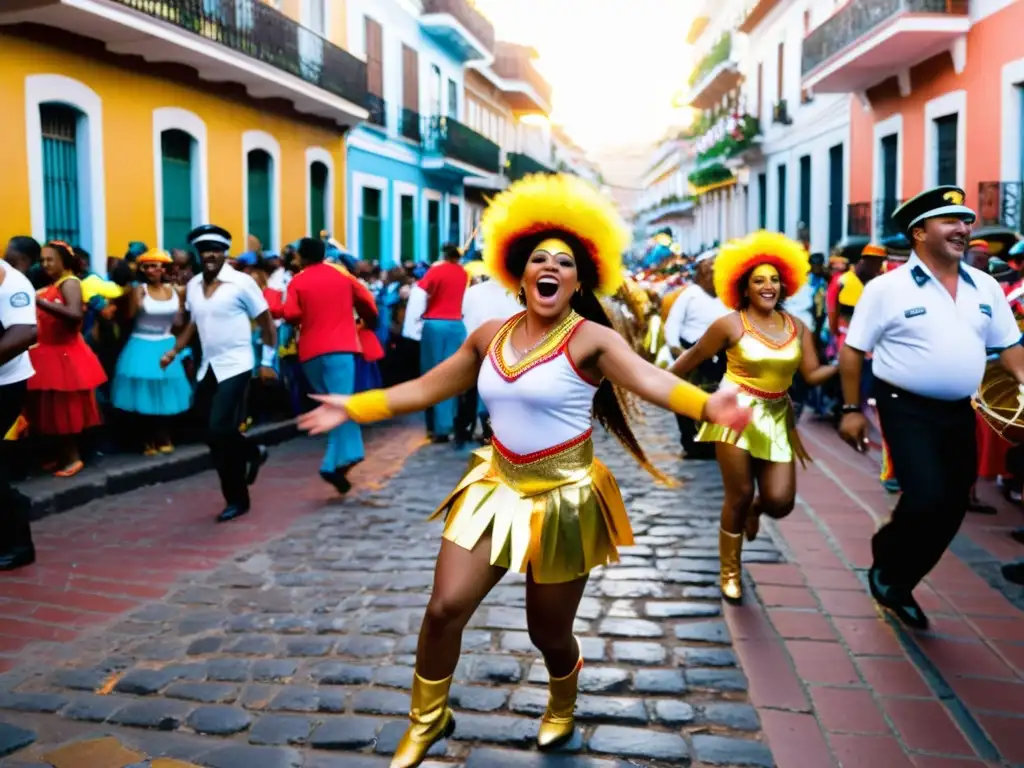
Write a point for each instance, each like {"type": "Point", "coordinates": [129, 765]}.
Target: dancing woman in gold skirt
{"type": "Point", "coordinates": [765, 348]}
{"type": "Point", "coordinates": [536, 501]}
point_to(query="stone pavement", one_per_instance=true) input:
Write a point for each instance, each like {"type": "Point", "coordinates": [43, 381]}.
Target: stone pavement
{"type": "Point", "coordinates": [286, 639]}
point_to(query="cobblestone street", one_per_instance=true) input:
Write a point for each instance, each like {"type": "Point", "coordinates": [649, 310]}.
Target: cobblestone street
{"type": "Point", "coordinates": [286, 640]}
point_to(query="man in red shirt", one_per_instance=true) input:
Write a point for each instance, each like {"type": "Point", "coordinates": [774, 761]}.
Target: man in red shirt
{"type": "Point", "coordinates": [323, 303]}
{"type": "Point", "coordinates": [443, 331]}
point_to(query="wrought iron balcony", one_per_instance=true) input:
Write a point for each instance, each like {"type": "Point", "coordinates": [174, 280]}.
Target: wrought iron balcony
{"type": "Point", "coordinates": [257, 30]}
{"type": "Point", "coordinates": [999, 204]}
{"type": "Point", "coordinates": [858, 219]}
{"type": "Point", "coordinates": [454, 141]}
{"type": "Point", "coordinates": [378, 109]}
{"type": "Point", "coordinates": [838, 40]}
{"type": "Point", "coordinates": [448, 20]}
{"type": "Point", "coordinates": [884, 225]}
{"type": "Point", "coordinates": [519, 165]}
{"type": "Point", "coordinates": [409, 124]}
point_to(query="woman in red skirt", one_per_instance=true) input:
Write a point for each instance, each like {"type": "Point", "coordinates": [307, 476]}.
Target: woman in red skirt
{"type": "Point", "coordinates": [62, 394]}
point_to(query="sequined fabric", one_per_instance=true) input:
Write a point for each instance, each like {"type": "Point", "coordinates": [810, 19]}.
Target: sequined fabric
{"type": "Point", "coordinates": [558, 512]}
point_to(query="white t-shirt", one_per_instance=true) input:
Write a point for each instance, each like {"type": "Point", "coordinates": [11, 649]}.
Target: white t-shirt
{"type": "Point", "coordinates": [487, 301]}
{"type": "Point", "coordinates": [224, 322]}
{"type": "Point", "coordinates": [17, 307]}
{"type": "Point", "coordinates": [415, 306]}
{"type": "Point", "coordinates": [923, 341]}
{"type": "Point", "coordinates": [691, 315]}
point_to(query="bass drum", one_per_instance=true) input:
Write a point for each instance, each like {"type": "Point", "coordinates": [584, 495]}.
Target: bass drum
{"type": "Point", "coordinates": [997, 403]}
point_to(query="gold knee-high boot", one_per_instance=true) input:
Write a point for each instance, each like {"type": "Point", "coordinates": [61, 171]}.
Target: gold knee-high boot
{"type": "Point", "coordinates": [430, 721]}
{"type": "Point", "coordinates": [730, 547]}
{"type": "Point", "coordinates": [556, 726]}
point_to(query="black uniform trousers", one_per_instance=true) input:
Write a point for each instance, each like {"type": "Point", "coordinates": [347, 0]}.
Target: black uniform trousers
{"type": "Point", "coordinates": [12, 399]}
{"type": "Point", "coordinates": [707, 376]}
{"type": "Point", "coordinates": [222, 404]}
{"type": "Point", "coordinates": [933, 447]}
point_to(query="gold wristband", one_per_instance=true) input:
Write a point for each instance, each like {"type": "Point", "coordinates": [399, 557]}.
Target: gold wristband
{"type": "Point", "coordinates": [368, 406]}
{"type": "Point", "coordinates": [688, 400]}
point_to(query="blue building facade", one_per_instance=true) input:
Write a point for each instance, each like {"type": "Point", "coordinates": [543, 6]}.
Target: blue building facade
{"type": "Point", "coordinates": [407, 165]}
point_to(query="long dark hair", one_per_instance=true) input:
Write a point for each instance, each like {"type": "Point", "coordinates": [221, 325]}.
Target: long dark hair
{"type": "Point", "coordinates": [609, 401]}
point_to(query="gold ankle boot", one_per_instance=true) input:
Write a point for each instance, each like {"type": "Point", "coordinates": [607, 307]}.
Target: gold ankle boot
{"type": "Point", "coordinates": [730, 547]}
{"type": "Point", "coordinates": [556, 726]}
{"type": "Point", "coordinates": [430, 721]}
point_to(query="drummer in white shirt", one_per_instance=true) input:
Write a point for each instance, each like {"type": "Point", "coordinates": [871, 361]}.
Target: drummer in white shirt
{"type": "Point", "coordinates": [691, 315]}
{"type": "Point", "coordinates": [928, 327]}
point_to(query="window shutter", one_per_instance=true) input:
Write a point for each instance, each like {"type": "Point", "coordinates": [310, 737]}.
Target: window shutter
{"type": "Point", "coordinates": [374, 58]}
{"type": "Point", "coordinates": [60, 172]}
{"type": "Point", "coordinates": [260, 166]}
{"type": "Point", "coordinates": [176, 162]}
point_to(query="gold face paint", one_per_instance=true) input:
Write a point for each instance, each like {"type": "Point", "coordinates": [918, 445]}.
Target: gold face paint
{"type": "Point", "coordinates": [553, 246]}
{"type": "Point", "coordinates": [764, 270]}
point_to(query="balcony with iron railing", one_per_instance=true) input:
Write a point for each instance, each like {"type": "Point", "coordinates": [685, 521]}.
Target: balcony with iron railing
{"type": "Point", "coordinates": [523, 86]}
{"type": "Point", "coordinates": [238, 41]}
{"type": "Point", "coordinates": [519, 164]}
{"type": "Point", "coordinates": [1000, 204]}
{"type": "Point", "coordinates": [457, 148]}
{"type": "Point", "coordinates": [409, 121]}
{"type": "Point", "coordinates": [459, 27]}
{"type": "Point", "coordinates": [884, 225]}
{"type": "Point", "coordinates": [858, 219]}
{"type": "Point", "coordinates": [378, 109]}
{"type": "Point", "coordinates": [867, 41]}
{"type": "Point", "coordinates": [715, 75]}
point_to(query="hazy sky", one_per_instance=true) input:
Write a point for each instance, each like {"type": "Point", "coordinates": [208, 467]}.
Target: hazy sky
{"type": "Point", "coordinates": [614, 64]}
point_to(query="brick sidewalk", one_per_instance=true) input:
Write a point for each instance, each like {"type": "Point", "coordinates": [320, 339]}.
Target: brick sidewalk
{"type": "Point", "coordinates": [89, 571]}
{"type": "Point", "coordinates": [836, 682]}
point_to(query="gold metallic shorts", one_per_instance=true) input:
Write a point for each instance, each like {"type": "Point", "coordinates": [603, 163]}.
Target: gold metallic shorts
{"type": "Point", "coordinates": [558, 512]}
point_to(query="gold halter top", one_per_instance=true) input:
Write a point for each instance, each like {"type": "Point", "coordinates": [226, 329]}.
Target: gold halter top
{"type": "Point", "coordinates": [762, 366]}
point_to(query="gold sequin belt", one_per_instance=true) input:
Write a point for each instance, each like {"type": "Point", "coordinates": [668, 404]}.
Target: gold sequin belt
{"type": "Point", "coordinates": [542, 471]}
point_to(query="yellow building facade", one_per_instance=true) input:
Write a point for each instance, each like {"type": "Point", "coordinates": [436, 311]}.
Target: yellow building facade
{"type": "Point", "coordinates": [134, 121]}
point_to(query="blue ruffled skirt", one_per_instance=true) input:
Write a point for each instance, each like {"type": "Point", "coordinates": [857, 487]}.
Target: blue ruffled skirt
{"type": "Point", "coordinates": [142, 386]}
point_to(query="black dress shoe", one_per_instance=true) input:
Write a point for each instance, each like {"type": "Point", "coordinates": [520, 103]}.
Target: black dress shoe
{"type": "Point", "coordinates": [1018, 535]}
{"type": "Point", "coordinates": [231, 512]}
{"type": "Point", "coordinates": [17, 557]}
{"type": "Point", "coordinates": [338, 480]}
{"type": "Point", "coordinates": [1014, 572]}
{"type": "Point", "coordinates": [253, 471]}
{"type": "Point", "coordinates": [899, 601]}
{"type": "Point", "coordinates": [979, 508]}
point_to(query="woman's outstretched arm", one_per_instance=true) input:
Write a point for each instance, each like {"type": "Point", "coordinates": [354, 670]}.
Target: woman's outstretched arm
{"type": "Point", "coordinates": [452, 377]}
{"type": "Point", "coordinates": [715, 338]}
{"type": "Point", "coordinates": [812, 371]}
{"type": "Point", "coordinates": [624, 368]}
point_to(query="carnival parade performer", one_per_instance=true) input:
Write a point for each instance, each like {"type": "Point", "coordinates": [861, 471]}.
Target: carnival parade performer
{"type": "Point", "coordinates": [765, 347]}
{"type": "Point", "coordinates": [536, 501]}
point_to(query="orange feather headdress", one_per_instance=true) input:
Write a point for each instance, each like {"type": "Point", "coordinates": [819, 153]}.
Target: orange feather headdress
{"type": "Point", "coordinates": [555, 203]}
{"type": "Point", "coordinates": [737, 257]}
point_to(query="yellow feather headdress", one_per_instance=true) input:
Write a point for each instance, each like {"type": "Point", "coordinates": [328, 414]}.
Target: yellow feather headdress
{"type": "Point", "coordinates": [738, 256]}
{"type": "Point", "coordinates": [555, 203]}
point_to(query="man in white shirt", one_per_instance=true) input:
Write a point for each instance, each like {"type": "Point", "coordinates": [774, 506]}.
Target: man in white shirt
{"type": "Point", "coordinates": [483, 301]}
{"type": "Point", "coordinates": [222, 304]}
{"type": "Point", "coordinates": [692, 313]}
{"type": "Point", "coordinates": [17, 334]}
{"type": "Point", "coordinates": [928, 327]}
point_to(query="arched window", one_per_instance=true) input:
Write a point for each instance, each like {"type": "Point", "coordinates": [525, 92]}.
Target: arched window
{"type": "Point", "coordinates": [319, 178]}
{"type": "Point", "coordinates": [260, 167]}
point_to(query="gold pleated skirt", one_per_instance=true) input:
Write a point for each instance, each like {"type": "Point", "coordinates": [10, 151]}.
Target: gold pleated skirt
{"type": "Point", "coordinates": [558, 513]}
{"type": "Point", "coordinates": [771, 434]}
